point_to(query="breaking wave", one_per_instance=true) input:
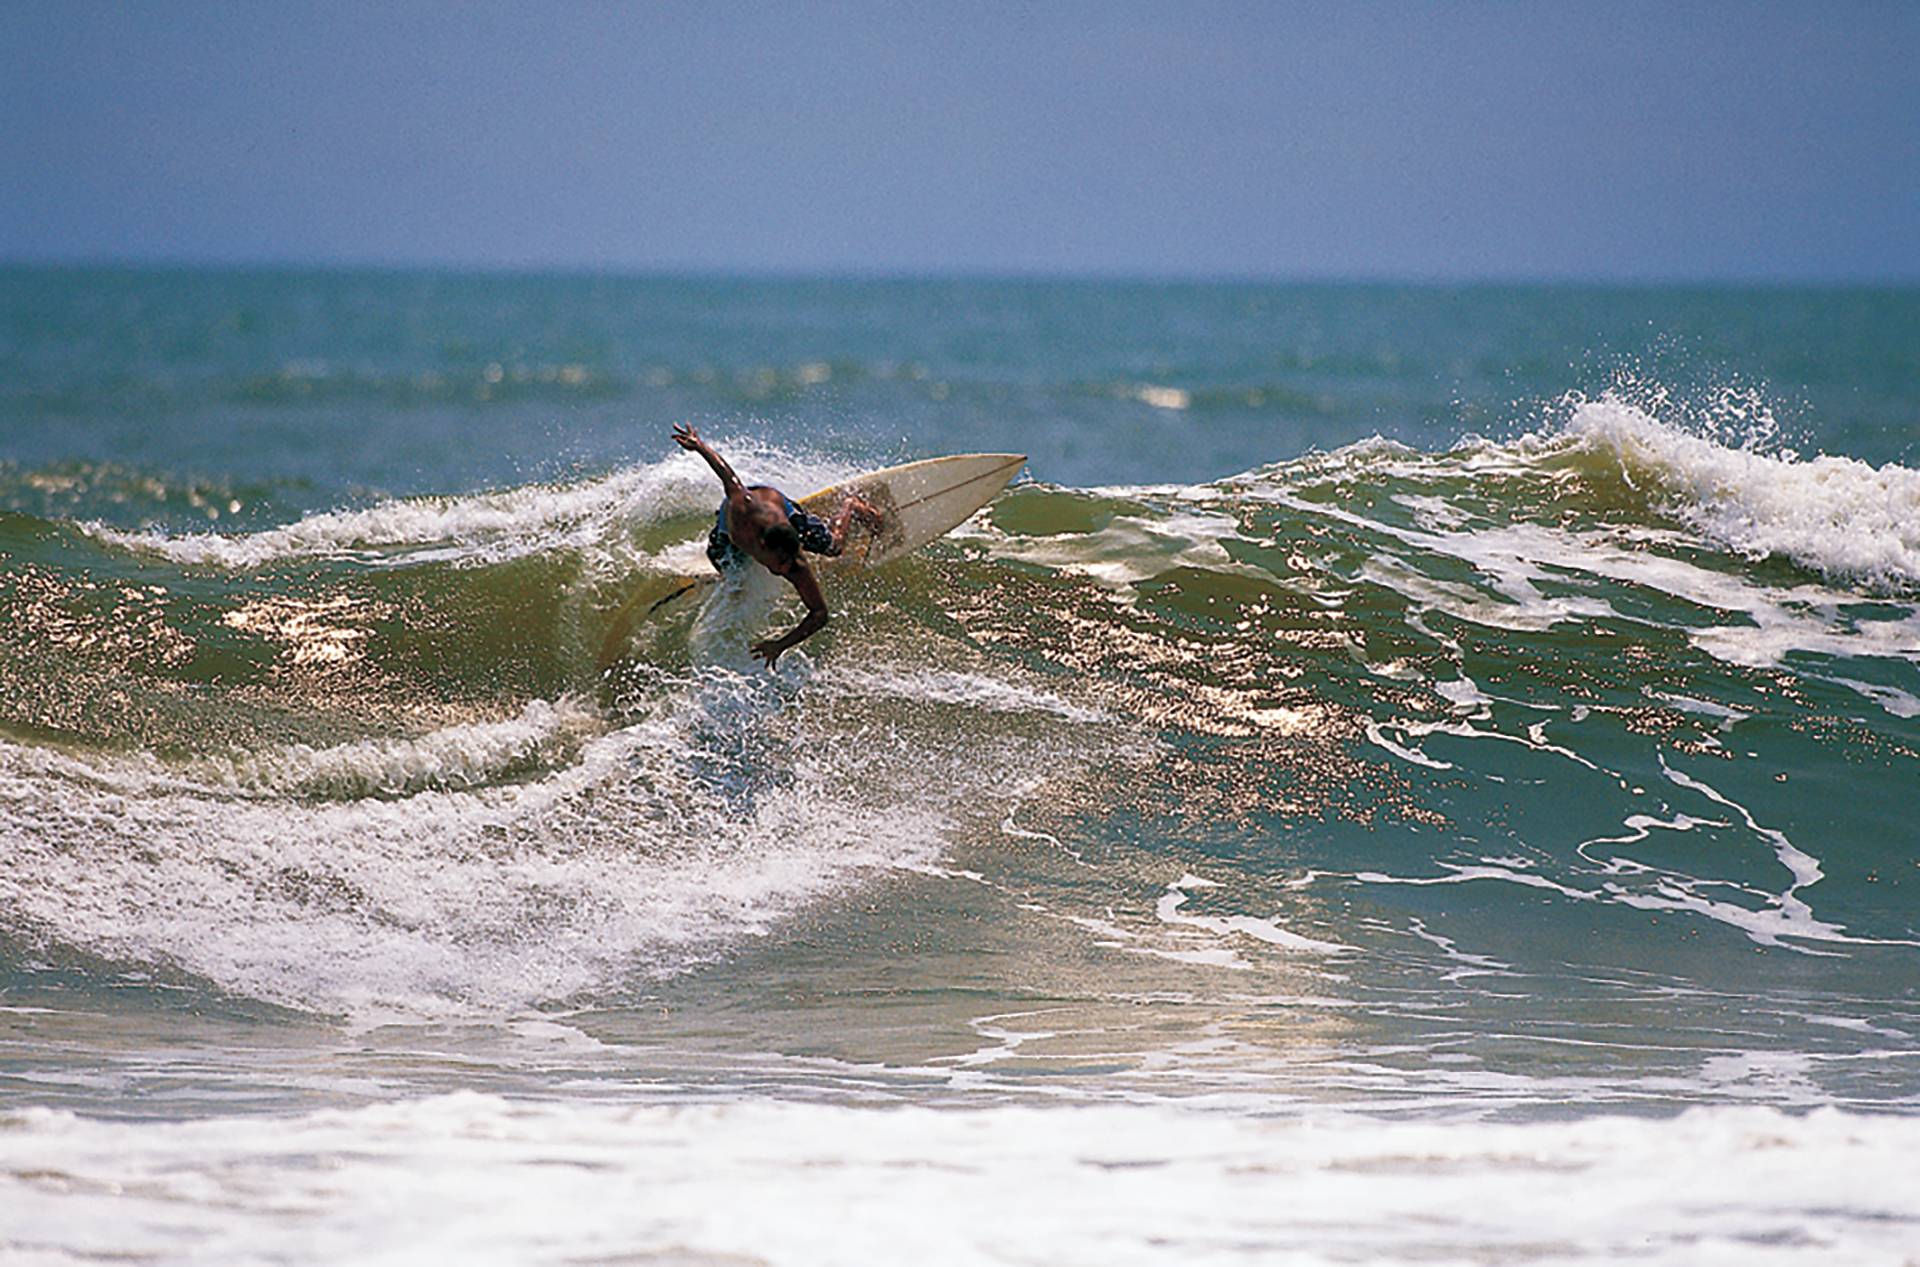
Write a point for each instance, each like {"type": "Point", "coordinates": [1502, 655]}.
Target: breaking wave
{"type": "Point", "coordinates": [367, 762]}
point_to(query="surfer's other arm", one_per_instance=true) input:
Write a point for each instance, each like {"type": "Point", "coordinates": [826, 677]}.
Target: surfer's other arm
{"type": "Point", "coordinates": [854, 507]}
{"type": "Point", "coordinates": [687, 438]}
{"type": "Point", "coordinates": [802, 578]}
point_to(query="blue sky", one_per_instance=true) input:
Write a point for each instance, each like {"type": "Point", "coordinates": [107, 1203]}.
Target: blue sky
{"type": "Point", "coordinates": [1595, 141]}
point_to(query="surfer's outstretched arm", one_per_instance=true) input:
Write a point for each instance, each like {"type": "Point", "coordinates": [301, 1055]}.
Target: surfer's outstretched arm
{"type": "Point", "coordinates": [815, 620]}
{"type": "Point", "coordinates": [687, 438]}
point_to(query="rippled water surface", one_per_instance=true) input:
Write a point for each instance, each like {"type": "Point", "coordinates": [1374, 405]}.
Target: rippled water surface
{"type": "Point", "coordinates": [1393, 745]}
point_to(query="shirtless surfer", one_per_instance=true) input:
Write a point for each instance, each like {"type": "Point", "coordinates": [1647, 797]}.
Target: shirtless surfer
{"type": "Point", "coordinates": [763, 524]}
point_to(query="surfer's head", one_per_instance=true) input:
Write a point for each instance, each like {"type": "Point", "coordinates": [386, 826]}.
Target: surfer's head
{"type": "Point", "coordinates": [782, 542]}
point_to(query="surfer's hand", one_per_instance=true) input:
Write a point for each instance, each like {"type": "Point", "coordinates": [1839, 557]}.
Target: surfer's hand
{"type": "Point", "coordinates": [686, 437]}
{"type": "Point", "coordinates": [769, 651]}
{"type": "Point", "coordinates": [866, 513]}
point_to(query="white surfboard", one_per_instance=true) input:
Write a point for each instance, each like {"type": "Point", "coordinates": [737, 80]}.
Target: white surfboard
{"type": "Point", "coordinates": [918, 502]}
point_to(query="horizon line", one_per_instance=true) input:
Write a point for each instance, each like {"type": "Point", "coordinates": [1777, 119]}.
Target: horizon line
{"type": "Point", "coordinates": [736, 273]}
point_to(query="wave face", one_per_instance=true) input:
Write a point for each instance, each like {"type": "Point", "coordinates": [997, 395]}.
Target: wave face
{"type": "Point", "coordinates": [1606, 719]}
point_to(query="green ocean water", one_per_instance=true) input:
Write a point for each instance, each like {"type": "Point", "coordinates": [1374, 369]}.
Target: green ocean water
{"type": "Point", "coordinates": [1495, 706]}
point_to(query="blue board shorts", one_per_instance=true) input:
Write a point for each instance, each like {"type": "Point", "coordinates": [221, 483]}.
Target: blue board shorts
{"type": "Point", "coordinates": [815, 536]}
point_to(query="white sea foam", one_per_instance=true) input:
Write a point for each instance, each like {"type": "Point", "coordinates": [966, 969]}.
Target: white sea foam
{"type": "Point", "coordinates": [476, 1179]}
{"type": "Point", "coordinates": [1469, 965]}
{"type": "Point", "coordinates": [970, 690]}
{"type": "Point", "coordinates": [1896, 701]}
{"type": "Point", "coordinates": [651, 847]}
{"type": "Point", "coordinates": [1168, 911]}
{"type": "Point", "coordinates": [487, 526]}
{"type": "Point", "coordinates": [1465, 695]}
{"type": "Point", "coordinates": [455, 757]}
{"type": "Point", "coordinates": [1515, 561]}
{"type": "Point", "coordinates": [1783, 919]}
{"type": "Point", "coordinates": [1377, 735]}
{"type": "Point", "coordinates": [1134, 548]}
{"type": "Point", "coordinates": [492, 865]}
{"type": "Point", "coordinates": [1856, 525]}
{"type": "Point", "coordinates": [1836, 515]}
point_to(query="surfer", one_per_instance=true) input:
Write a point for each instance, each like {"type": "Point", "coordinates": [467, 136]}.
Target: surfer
{"type": "Point", "coordinates": [762, 523]}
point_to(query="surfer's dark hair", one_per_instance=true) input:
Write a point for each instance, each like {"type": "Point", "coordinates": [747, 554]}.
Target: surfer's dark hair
{"type": "Point", "coordinates": [783, 541]}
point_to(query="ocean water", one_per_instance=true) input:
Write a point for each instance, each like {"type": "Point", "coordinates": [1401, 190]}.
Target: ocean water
{"type": "Point", "coordinates": [1410, 774]}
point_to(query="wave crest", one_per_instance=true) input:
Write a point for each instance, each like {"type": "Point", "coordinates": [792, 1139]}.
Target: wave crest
{"type": "Point", "coordinates": [478, 527]}
{"type": "Point", "coordinates": [1838, 516]}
